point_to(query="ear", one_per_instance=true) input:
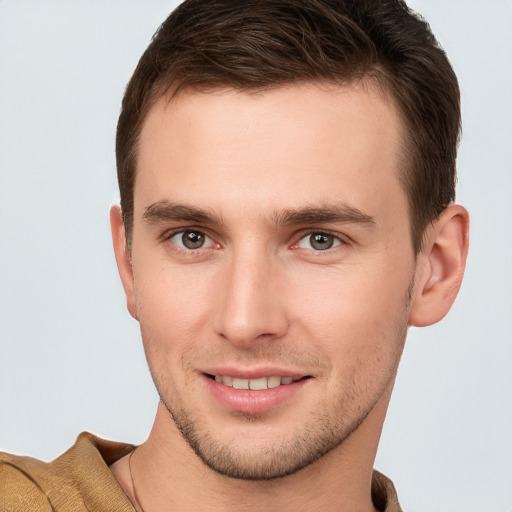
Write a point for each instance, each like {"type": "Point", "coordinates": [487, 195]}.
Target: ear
{"type": "Point", "coordinates": [440, 266]}
{"type": "Point", "coordinates": [123, 259]}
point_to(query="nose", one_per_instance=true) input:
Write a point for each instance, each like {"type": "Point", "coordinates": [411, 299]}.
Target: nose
{"type": "Point", "coordinates": [250, 302]}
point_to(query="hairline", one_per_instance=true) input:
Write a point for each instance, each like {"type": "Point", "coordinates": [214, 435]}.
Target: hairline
{"type": "Point", "coordinates": [376, 76]}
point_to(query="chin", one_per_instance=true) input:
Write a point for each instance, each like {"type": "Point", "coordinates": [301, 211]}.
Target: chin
{"type": "Point", "coordinates": [267, 457]}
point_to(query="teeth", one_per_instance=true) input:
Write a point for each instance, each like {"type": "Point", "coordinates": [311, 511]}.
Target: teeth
{"type": "Point", "coordinates": [258, 384]}
{"type": "Point", "coordinates": [254, 384]}
{"type": "Point", "coordinates": [273, 382]}
{"type": "Point", "coordinates": [240, 383]}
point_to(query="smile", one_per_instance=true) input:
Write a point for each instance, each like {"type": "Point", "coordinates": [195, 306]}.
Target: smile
{"type": "Point", "coordinates": [254, 384]}
{"type": "Point", "coordinates": [253, 392]}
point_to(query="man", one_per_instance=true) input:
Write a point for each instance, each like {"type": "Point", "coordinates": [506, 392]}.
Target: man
{"type": "Point", "coordinates": [287, 174]}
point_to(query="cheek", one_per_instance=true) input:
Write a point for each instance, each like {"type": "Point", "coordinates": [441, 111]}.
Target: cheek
{"type": "Point", "coordinates": [168, 292]}
{"type": "Point", "coordinates": [353, 309]}
{"type": "Point", "coordinates": [173, 309]}
{"type": "Point", "coordinates": [359, 331]}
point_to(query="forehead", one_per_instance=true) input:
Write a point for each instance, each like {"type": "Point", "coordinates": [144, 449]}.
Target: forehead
{"type": "Point", "coordinates": [295, 145]}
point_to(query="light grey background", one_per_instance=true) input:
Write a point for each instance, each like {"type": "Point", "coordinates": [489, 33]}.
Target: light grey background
{"type": "Point", "coordinates": [70, 355]}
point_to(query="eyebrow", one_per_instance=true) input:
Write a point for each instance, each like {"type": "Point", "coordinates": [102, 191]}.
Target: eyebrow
{"type": "Point", "coordinates": [339, 213]}
{"type": "Point", "coordinates": [166, 211]}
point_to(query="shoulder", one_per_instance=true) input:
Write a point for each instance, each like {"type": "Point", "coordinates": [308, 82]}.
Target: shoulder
{"type": "Point", "coordinates": [384, 493]}
{"type": "Point", "coordinates": [19, 487]}
{"type": "Point", "coordinates": [79, 480]}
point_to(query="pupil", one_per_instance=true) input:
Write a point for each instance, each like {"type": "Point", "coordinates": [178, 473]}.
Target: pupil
{"type": "Point", "coordinates": [321, 241]}
{"type": "Point", "coordinates": [192, 239]}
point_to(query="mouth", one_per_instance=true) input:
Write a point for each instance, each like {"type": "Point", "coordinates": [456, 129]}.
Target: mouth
{"type": "Point", "coordinates": [254, 391]}
{"type": "Point", "coordinates": [258, 384]}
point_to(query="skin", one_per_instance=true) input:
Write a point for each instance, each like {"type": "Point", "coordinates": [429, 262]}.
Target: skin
{"type": "Point", "coordinates": [267, 171]}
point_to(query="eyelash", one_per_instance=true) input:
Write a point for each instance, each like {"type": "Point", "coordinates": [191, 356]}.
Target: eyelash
{"type": "Point", "coordinates": [169, 235]}
{"type": "Point", "coordinates": [339, 241]}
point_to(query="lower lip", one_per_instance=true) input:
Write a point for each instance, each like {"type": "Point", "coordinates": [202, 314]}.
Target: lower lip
{"type": "Point", "coordinates": [252, 402]}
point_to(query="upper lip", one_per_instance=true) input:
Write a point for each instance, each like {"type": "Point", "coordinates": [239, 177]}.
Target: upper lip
{"type": "Point", "coordinates": [254, 373]}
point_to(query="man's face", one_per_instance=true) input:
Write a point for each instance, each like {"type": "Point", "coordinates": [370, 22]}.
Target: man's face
{"type": "Point", "coordinates": [271, 249]}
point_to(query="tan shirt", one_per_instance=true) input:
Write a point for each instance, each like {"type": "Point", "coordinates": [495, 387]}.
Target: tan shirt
{"type": "Point", "coordinates": [80, 481]}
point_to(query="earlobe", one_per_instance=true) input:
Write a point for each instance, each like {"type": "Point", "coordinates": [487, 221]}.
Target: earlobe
{"type": "Point", "coordinates": [123, 260]}
{"type": "Point", "coordinates": [440, 268]}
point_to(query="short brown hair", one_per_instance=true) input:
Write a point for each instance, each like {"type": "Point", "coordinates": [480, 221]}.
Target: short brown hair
{"type": "Point", "coordinates": [252, 45]}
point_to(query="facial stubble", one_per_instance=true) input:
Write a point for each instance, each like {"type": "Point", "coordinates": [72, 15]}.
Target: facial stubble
{"type": "Point", "coordinates": [320, 433]}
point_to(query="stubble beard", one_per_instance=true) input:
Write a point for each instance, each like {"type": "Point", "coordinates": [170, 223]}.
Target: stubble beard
{"type": "Point", "coordinates": [321, 433]}
{"type": "Point", "coordinates": [270, 462]}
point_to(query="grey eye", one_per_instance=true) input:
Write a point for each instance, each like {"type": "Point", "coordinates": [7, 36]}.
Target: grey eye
{"type": "Point", "coordinates": [319, 241]}
{"type": "Point", "coordinates": [190, 239]}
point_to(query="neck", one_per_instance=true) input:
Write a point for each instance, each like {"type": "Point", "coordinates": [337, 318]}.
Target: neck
{"type": "Point", "coordinates": [168, 475]}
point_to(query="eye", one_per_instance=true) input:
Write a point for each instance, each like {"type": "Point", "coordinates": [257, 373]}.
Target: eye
{"type": "Point", "coordinates": [319, 241]}
{"type": "Point", "coordinates": [190, 239]}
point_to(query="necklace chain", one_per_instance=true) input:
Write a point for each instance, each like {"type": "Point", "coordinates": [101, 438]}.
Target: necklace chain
{"type": "Point", "coordinates": [137, 501]}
